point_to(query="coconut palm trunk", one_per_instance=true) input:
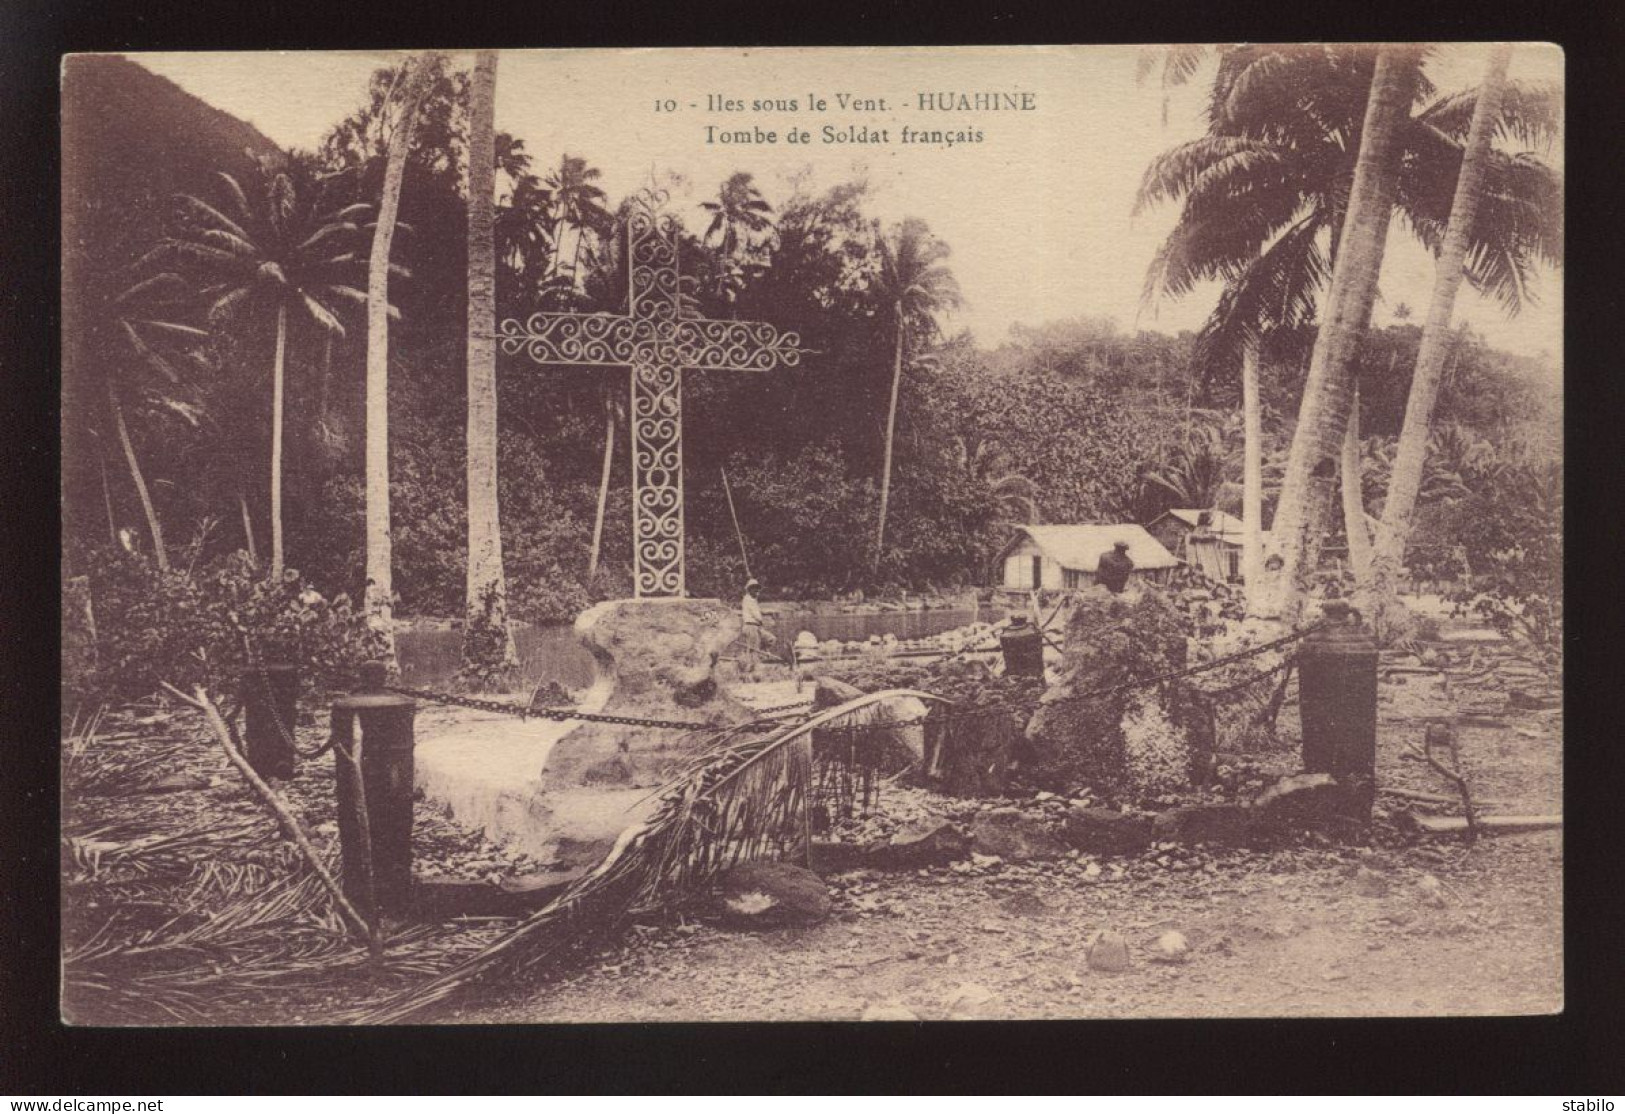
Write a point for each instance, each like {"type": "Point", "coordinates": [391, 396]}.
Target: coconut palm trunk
{"type": "Point", "coordinates": [1354, 525]}
{"type": "Point", "coordinates": [248, 530]}
{"type": "Point", "coordinates": [1252, 474]}
{"type": "Point", "coordinates": [486, 607]}
{"type": "Point", "coordinates": [1405, 481]}
{"type": "Point", "coordinates": [107, 498]}
{"type": "Point", "coordinates": [159, 553]}
{"type": "Point", "coordinates": [1323, 413]}
{"type": "Point", "coordinates": [277, 388]}
{"type": "Point", "coordinates": [603, 488]}
{"type": "Point", "coordinates": [379, 599]}
{"type": "Point", "coordinates": [891, 432]}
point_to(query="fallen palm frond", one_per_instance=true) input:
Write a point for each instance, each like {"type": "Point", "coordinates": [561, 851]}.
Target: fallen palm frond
{"type": "Point", "coordinates": [90, 767]}
{"type": "Point", "coordinates": [139, 846]}
{"type": "Point", "coordinates": [744, 797]}
{"type": "Point", "coordinates": [236, 935]}
{"type": "Point", "coordinates": [848, 765]}
{"type": "Point", "coordinates": [226, 735]}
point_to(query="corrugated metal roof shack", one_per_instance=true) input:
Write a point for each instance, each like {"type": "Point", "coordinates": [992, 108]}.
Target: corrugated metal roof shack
{"type": "Point", "coordinates": [1209, 540]}
{"type": "Point", "coordinates": [1052, 557]}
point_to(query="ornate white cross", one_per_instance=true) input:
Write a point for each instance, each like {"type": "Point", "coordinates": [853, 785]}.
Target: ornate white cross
{"type": "Point", "coordinates": [657, 342]}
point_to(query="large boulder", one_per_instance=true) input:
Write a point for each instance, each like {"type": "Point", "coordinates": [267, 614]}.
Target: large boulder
{"type": "Point", "coordinates": [1308, 802]}
{"type": "Point", "coordinates": [653, 659]}
{"type": "Point", "coordinates": [1015, 838]}
{"type": "Point", "coordinates": [922, 844]}
{"type": "Point", "coordinates": [1226, 824]}
{"type": "Point", "coordinates": [770, 895]}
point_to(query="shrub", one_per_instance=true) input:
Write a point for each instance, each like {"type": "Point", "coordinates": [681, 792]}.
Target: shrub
{"type": "Point", "coordinates": [1512, 532]}
{"type": "Point", "coordinates": [205, 628]}
{"type": "Point", "coordinates": [1134, 744]}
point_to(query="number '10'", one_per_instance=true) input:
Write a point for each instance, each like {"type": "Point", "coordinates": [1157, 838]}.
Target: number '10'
{"type": "Point", "coordinates": [666, 106]}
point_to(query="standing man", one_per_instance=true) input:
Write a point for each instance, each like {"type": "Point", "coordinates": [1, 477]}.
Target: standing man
{"type": "Point", "coordinates": [1113, 568]}
{"type": "Point", "coordinates": [750, 615]}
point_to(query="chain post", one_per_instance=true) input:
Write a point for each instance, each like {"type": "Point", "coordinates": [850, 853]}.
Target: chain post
{"type": "Point", "coordinates": [385, 722]}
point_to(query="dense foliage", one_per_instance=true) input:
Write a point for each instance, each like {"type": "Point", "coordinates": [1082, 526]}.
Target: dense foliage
{"type": "Point", "coordinates": [1068, 421]}
{"type": "Point", "coordinates": [204, 627]}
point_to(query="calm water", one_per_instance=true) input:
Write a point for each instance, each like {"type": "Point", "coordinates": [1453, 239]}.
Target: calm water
{"type": "Point", "coordinates": [551, 653]}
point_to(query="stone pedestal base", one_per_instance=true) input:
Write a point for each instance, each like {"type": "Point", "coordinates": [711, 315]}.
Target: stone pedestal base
{"type": "Point", "coordinates": [657, 659]}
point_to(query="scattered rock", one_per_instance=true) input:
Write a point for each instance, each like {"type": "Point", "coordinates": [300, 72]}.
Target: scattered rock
{"type": "Point", "coordinates": [770, 894]}
{"type": "Point", "coordinates": [890, 1012]}
{"type": "Point", "coordinates": [829, 857]}
{"type": "Point", "coordinates": [1432, 891]}
{"type": "Point", "coordinates": [1171, 947]}
{"type": "Point", "coordinates": [928, 843]}
{"type": "Point", "coordinates": [1015, 837]}
{"type": "Point", "coordinates": [1106, 831]}
{"type": "Point", "coordinates": [1108, 951]}
{"type": "Point", "coordinates": [968, 995]}
{"type": "Point", "coordinates": [1368, 883]}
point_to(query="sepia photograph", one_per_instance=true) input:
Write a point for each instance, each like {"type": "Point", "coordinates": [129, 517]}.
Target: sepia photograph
{"type": "Point", "coordinates": [898, 534]}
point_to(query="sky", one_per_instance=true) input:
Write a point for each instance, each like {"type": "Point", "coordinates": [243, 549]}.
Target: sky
{"type": "Point", "coordinates": [1038, 213]}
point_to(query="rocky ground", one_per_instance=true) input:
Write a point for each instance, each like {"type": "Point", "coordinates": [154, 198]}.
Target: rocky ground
{"type": "Point", "coordinates": [1406, 925]}
{"type": "Point", "coordinates": [1402, 926]}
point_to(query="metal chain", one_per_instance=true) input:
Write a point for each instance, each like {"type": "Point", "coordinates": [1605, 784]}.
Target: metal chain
{"type": "Point", "coordinates": [1264, 674]}
{"type": "Point", "coordinates": [498, 707]}
{"type": "Point", "coordinates": [1097, 694]}
{"type": "Point", "coordinates": [502, 708]}
{"type": "Point", "coordinates": [794, 705]}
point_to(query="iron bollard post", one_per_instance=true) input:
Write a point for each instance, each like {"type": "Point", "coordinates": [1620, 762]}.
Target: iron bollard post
{"type": "Point", "coordinates": [1337, 699]}
{"type": "Point", "coordinates": [385, 723]}
{"type": "Point", "coordinates": [1023, 647]}
{"type": "Point", "coordinates": [271, 704]}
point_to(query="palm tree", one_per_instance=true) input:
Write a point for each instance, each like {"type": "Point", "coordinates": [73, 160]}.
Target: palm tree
{"type": "Point", "coordinates": [984, 463]}
{"type": "Point", "coordinates": [1196, 472]}
{"type": "Point", "coordinates": [614, 415]}
{"type": "Point", "coordinates": [1323, 414]}
{"type": "Point", "coordinates": [1400, 504]}
{"type": "Point", "coordinates": [135, 331]}
{"type": "Point", "coordinates": [1351, 476]}
{"type": "Point", "coordinates": [488, 646]}
{"type": "Point", "coordinates": [379, 597]}
{"type": "Point", "coordinates": [523, 225]}
{"type": "Point", "coordinates": [578, 203]}
{"type": "Point", "coordinates": [913, 284]}
{"type": "Point", "coordinates": [1252, 475]}
{"type": "Point", "coordinates": [1264, 192]}
{"type": "Point", "coordinates": [739, 216]}
{"type": "Point", "coordinates": [289, 255]}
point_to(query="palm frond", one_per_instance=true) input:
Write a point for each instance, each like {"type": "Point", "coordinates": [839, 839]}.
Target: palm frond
{"type": "Point", "coordinates": [743, 798]}
{"type": "Point", "coordinates": [166, 287]}
{"type": "Point", "coordinates": [192, 213]}
{"type": "Point", "coordinates": [239, 199]}
{"type": "Point", "coordinates": [322, 315]}
{"type": "Point", "coordinates": [1531, 113]}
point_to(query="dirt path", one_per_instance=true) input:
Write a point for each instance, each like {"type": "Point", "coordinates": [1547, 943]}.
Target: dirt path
{"type": "Point", "coordinates": [1270, 935]}
{"type": "Point", "coordinates": [1314, 931]}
